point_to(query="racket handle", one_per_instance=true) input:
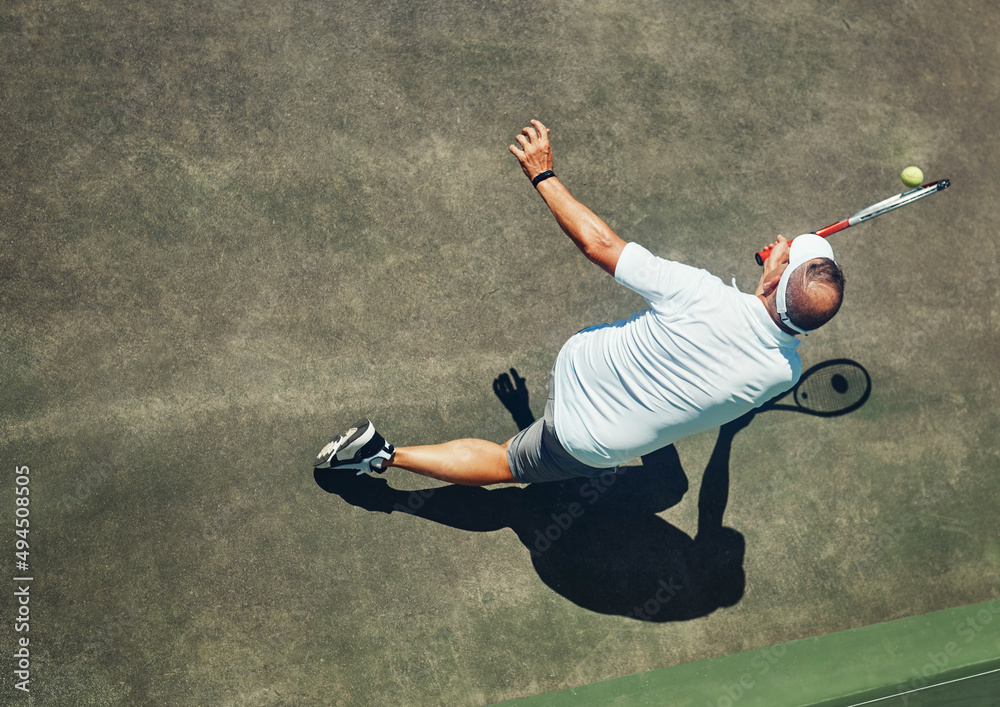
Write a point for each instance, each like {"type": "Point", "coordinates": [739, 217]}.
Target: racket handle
{"type": "Point", "coordinates": [822, 233]}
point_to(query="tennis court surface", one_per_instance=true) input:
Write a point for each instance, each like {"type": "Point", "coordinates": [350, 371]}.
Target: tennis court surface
{"type": "Point", "coordinates": [229, 230]}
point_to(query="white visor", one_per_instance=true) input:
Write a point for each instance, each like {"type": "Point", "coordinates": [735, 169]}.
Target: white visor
{"type": "Point", "coordinates": [802, 249]}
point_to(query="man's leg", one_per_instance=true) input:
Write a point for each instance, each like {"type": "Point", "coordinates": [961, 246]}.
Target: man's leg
{"type": "Point", "coordinates": [468, 462]}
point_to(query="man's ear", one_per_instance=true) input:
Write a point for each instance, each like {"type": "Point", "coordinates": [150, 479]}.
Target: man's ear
{"type": "Point", "coordinates": [771, 285]}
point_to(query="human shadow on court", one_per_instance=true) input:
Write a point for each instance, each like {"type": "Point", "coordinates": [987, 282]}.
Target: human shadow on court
{"type": "Point", "coordinates": [597, 542]}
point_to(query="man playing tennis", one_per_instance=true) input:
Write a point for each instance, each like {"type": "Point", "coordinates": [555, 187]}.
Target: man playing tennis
{"type": "Point", "coordinates": [703, 354]}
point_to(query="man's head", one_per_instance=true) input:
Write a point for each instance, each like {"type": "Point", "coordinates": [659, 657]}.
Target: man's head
{"type": "Point", "coordinates": [811, 288]}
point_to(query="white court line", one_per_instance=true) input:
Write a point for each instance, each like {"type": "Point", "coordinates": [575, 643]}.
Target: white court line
{"type": "Point", "coordinates": [926, 687]}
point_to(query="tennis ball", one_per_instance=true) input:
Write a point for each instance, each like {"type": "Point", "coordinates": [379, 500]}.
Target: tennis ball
{"type": "Point", "coordinates": [912, 177]}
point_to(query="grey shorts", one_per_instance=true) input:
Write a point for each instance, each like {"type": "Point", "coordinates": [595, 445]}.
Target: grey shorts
{"type": "Point", "coordinates": [536, 454]}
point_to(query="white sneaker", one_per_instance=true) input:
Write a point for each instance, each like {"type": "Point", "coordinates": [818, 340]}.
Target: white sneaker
{"type": "Point", "coordinates": [360, 449]}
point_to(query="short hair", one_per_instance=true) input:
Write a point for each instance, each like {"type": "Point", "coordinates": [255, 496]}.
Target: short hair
{"type": "Point", "coordinates": [806, 311]}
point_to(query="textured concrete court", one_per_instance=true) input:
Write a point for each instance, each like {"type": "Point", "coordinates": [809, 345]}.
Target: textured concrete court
{"type": "Point", "coordinates": [231, 229]}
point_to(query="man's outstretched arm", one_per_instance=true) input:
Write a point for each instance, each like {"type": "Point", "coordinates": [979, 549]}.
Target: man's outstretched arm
{"type": "Point", "coordinates": [592, 236]}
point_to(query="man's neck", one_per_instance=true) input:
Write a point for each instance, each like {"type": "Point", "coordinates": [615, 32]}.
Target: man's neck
{"type": "Point", "coordinates": [773, 313]}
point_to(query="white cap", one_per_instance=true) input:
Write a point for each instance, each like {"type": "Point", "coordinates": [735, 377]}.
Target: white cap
{"type": "Point", "coordinates": [802, 249]}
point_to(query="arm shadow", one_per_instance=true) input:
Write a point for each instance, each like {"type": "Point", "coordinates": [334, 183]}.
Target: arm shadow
{"type": "Point", "coordinates": [512, 392]}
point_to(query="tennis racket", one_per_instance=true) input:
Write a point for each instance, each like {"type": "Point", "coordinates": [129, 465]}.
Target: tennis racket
{"type": "Point", "coordinates": [828, 389]}
{"type": "Point", "coordinates": [882, 207]}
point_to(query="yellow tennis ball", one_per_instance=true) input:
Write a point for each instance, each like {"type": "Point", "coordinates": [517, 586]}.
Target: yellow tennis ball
{"type": "Point", "coordinates": [912, 177]}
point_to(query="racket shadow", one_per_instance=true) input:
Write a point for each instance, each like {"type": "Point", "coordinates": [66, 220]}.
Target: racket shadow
{"type": "Point", "coordinates": [828, 389]}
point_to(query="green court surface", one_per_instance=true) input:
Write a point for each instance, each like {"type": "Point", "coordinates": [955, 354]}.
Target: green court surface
{"type": "Point", "coordinates": [230, 229]}
{"type": "Point", "coordinates": [946, 658]}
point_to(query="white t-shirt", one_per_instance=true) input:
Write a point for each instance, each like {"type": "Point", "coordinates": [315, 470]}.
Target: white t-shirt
{"type": "Point", "coordinates": [701, 356]}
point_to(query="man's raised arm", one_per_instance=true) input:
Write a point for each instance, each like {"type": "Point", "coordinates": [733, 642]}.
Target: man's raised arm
{"type": "Point", "coordinates": [592, 236]}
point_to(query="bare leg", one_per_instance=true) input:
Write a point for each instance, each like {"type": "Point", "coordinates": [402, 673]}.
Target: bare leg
{"type": "Point", "coordinates": [468, 462]}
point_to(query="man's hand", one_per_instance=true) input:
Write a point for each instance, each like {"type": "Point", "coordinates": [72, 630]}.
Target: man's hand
{"type": "Point", "coordinates": [775, 264]}
{"type": "Point", "coordinates": [590, 234]}
{"type": "Point", "coordinates": [535, 154]}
